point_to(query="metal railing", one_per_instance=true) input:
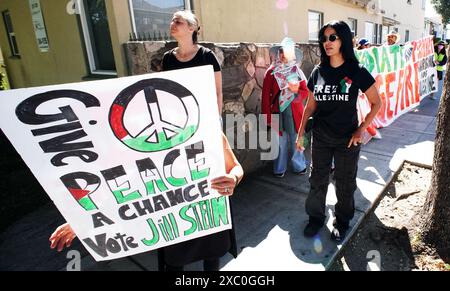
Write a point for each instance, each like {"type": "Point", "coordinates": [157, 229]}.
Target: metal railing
{"type": "Point", "coordinates": [150, 36]}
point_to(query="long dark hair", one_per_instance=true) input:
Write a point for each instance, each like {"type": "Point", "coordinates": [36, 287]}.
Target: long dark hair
{"type": "Point", "coordinates": [195, 35]}
{"type": "Point", "coordinates": [345, 35]}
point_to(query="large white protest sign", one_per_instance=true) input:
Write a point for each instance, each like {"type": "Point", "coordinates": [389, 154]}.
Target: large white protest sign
{"type": "Point", "coordinates": [126, 161]}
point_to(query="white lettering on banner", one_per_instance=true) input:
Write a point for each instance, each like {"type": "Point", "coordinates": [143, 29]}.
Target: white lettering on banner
{"type": "Point", "coordinates": [404, 76]}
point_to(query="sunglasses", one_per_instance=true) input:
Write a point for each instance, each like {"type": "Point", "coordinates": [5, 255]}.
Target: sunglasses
{"type": "Point", "coordinates": [332, 38]}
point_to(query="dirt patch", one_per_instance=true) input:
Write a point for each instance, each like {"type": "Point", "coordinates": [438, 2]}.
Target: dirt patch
{"type": "Point", "coordinates": [388, 237]}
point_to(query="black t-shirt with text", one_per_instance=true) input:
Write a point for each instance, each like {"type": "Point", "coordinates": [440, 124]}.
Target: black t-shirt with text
{"type": "Point", "coordinates": [336, 92]}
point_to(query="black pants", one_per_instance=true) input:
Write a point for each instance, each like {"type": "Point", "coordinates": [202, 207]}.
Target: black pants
{"type": "Point", "coordinates": [324, 149]}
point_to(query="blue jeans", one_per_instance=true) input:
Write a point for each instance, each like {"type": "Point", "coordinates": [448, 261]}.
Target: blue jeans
{"type": "Point", "coordinates": [286, 144]}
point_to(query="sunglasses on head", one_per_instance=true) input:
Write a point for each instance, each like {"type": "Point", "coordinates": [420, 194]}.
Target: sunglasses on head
{"type": "Point", "coordinates": [331, 38]}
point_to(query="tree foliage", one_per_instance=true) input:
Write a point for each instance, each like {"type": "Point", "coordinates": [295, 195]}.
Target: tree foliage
{"type": "Point", "coordinates": [443, 8]}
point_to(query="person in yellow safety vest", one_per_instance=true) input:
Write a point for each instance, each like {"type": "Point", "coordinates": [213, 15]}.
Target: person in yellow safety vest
{"type": "Point", "coordinates": [440, 59]}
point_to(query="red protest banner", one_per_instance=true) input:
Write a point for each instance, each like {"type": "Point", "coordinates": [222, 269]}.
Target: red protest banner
{"type": "Point", "coordinates": [404, 75]}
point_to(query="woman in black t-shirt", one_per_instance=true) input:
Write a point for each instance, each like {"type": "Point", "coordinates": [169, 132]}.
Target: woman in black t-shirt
{"type": "Point", "coordinates": [334, 88]}
{"type": "Point", "coordinates": [185, 29]}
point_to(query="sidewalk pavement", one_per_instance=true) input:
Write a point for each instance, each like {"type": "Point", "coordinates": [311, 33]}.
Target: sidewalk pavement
{"type": "Point", "coordinates": [269, 212]}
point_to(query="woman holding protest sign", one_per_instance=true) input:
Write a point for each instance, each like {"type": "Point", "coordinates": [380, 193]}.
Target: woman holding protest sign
{"type": "Point", "coordinates": [334, 88]}
{"type": "Point", "coordinates": [184, 28]}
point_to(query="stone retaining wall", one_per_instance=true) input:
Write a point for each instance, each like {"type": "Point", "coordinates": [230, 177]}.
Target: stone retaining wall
{"type": "Point", "coordinates": [243, 68]}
